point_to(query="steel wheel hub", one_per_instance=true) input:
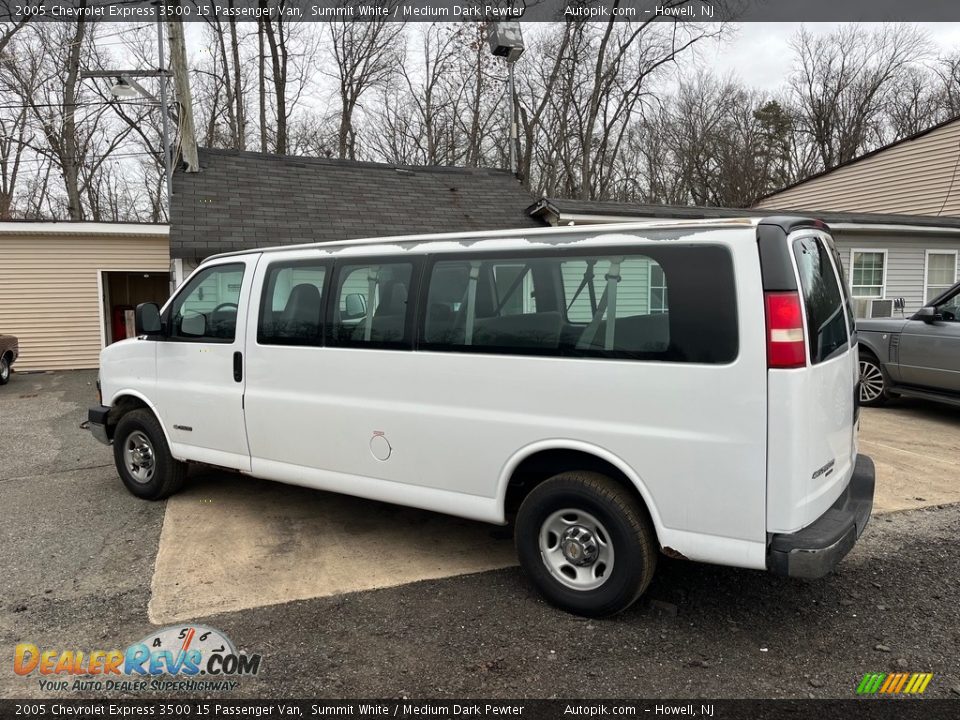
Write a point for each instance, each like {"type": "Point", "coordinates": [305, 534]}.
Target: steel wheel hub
{"type": "Point", "coordinates": [576, 549]}
{"type": "Point", "coordinates": [138, 457]}
{"type": "Point", "coordinates": [579, 546]}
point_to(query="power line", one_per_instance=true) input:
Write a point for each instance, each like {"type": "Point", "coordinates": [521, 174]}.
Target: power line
{"type": "Point", "coordinates": [84, 161]}
{"type": "Point", "coordinates": [75, 105]}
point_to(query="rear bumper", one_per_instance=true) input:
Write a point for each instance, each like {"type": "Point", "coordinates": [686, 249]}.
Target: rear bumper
{"type": "Point", "coordinates": [816, 549]}
{"type": "Point", "coordinates": [97, 423]}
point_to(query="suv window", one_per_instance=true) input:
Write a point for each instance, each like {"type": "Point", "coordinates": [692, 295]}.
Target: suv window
{"type": "Point", "coordinates": [207, 307]}
{"type": "Point", "coordinates": [292, 305]}
{"type": "Point", "coordinates": [949, 309]}
{"type": "Point", "coordinates": [823, 299]}
{"type": "Point", "coordinates": [370, 304]}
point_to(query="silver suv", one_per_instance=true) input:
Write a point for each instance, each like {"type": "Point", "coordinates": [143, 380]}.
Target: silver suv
{"type": "Point", "coordinates": [915, 357]}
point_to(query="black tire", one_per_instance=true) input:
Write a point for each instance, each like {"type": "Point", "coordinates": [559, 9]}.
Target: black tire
{"type": "Point", "coordinates": [158, 477]}
{"type": "Point", "coordinates": [4, 370]}
{"type": "Point", "coordinates": [873, 381]}
{"type": "Point", "coordinates": [628, 531]}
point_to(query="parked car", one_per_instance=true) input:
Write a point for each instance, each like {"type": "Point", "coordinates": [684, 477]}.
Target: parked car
{"type": "Point", "coordinates": [615, 391]}
{"type": "Point", "coordinates": [9, 351]}
{"type": "Point", "coordinates": [916, 357]}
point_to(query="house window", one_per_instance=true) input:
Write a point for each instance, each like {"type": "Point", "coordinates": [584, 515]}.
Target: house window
{"type": "Point", "coordinates": [657, 289]}
{"type": "Point", "coordinates": [941, 273]}
{"type": "Point", "coordinates": [868, 269]}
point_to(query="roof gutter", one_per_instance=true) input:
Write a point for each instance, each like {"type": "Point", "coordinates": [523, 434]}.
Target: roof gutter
{"type": "Point", "coordinates": [893, 229]}
{"type": "Point", "coordinates": [83, 228]}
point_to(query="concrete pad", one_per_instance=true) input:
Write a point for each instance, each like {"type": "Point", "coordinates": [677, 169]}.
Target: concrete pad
{"type": "Point", "coordinates": [916, 448]}
{"type": "Point", "coordinates": [230, 542]}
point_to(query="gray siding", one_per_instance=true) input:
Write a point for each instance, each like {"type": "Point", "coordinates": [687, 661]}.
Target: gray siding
{"type": "Point", "coordinates": [905, 263]}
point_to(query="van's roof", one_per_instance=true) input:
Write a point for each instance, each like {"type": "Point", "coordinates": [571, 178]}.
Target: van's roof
{"type": "Point", "coordinates": [526, 233]}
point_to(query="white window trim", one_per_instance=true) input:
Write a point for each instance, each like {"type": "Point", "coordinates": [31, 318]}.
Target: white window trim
{"type": "Point", "coordinates": [650, 287]}
{"type": "Point", "coordinates": [886, 264]}
{"type": "Point", "coordinates": [926, 268]}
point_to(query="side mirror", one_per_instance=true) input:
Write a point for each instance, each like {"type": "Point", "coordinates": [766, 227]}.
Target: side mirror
{"type": "Point", "coordinates": [928, 315]}
{"type": "Point", "coordinates": [356, 306]}
{"type": "Point", "coordinates": [194, 325]}
{"type": "Point", "coordinates": [146, 319]}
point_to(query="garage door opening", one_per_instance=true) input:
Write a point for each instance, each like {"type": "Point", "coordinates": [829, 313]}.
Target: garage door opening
{"type": "Point", "coordinates": [122, 292]}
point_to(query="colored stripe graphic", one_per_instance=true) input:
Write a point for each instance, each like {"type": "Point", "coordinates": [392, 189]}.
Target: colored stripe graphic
{"type": "Point", "coordinates": [894, 683]}
{"type": "Point", "coordinates": [871, 683]}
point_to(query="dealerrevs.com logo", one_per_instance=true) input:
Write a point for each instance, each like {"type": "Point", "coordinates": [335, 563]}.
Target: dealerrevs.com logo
{"type": "Point", "coordinates": [191, 658]}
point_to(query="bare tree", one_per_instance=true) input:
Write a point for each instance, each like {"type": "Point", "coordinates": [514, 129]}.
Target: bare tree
{"type": "Point", "coordinates": [12, 146]}
{"type": "Point", "coordinates": [9, 28]}
{"type": "Point", "coordinates": [844, 81]}
{"type": "Point", "coordinates": [914, 104]}
{"type": "Point", "coordinates": [366, 56]}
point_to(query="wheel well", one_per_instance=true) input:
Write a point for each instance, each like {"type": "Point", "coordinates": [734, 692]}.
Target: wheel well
{"type": "Point", "coordinates": [9, 355]}
{"type": "Point", "coordinates": [543, 465]}
{"type": "Point", "coordinates": [868, 350]}
{"type": "Point", "coordinates": [121, 406]}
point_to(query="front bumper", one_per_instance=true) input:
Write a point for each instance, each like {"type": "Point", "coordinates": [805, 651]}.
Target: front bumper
{"type": "Point", "coordinates": [816, 549]}
{"type": "Point", "coordinates": [97, 423]}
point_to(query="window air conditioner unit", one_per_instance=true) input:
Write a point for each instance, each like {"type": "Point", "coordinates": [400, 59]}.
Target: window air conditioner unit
{"type": "Point", "coordinates": [881, 308]}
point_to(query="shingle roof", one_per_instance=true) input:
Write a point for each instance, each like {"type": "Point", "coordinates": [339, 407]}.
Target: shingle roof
{"type": "Point", "coordinates": [243, 200]}
{"type": "Point", "coordinates": [694, 212]}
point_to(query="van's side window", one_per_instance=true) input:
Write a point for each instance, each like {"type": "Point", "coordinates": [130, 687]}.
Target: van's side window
{"type": "Point", "coordinates": [562, 305]}
{"type": "Point", "coordinates": [826, 325]}
{"type": "Point", "coordinates": [370, 304]}
{"type": "Point", "coordinates": [641, 290]}
{"type": "Point", "coordinates": [207, 307]}
{"type": "Point", "coordinates": [292, 305]}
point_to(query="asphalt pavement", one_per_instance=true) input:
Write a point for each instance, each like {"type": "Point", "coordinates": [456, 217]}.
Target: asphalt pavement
{"type": "Point", "coordinates": [79, 557]}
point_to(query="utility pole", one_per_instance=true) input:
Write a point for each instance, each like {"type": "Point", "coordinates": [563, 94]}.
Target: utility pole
{"type": "Point", "coordinates": [181, 79]}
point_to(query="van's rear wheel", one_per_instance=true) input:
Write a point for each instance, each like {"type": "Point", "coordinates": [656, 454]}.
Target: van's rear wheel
{"type": "Point", "coordinates": [873, 382]}
{"type": "Point", "coordinates": [143, 458]}
{"type": "Point", "coordinates": [586, 543]}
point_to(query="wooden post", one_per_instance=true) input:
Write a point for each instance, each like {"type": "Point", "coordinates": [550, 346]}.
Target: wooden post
{"type": "Point", "coordinates": [181, 79]}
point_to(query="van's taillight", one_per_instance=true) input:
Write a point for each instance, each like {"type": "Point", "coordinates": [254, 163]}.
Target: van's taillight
{"type": "Point", "coordinates": [786, 347]}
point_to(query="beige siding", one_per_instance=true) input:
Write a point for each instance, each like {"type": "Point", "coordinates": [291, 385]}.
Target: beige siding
{"type": "Point", "coordinates": [910, 178]}
{"type": "Point", "coordinates": [49, 296]}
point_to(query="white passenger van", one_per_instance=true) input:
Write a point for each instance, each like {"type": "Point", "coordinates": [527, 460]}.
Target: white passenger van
{"type": "Point", "coordinates": [614, 391]}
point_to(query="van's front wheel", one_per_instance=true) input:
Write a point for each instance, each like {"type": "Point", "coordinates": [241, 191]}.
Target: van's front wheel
{"type": "Point", "coordinates": [586, 543]}
{"type": "Point", "coordinates": [143, 458]}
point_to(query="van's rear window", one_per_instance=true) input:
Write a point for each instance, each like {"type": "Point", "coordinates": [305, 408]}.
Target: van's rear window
{"type": "Point", "coordinates": [823, 298]}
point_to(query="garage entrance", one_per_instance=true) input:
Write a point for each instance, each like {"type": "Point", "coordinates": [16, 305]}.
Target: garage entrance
{"type": "Point", "coordinates": [122, 292]}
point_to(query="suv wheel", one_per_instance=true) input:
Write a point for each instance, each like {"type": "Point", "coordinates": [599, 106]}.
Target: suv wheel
{"type": "Point", "coordinates": [4, 371]}
{"type": "Point", "coordinates": [873, 382]}
{"type": "Point", "coordinates": [143, 458]}
{"type": "Point", "coordinates": [586, 543]}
